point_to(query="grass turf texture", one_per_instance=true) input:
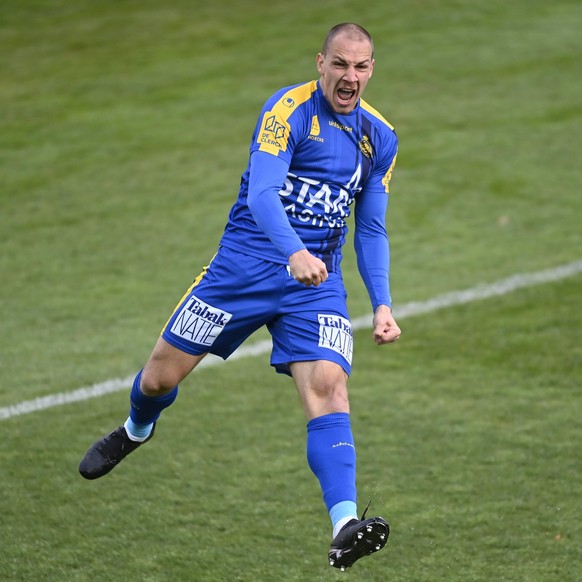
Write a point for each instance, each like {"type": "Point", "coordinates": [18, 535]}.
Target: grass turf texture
{"type": "Point", "coordinates": [124, 128]}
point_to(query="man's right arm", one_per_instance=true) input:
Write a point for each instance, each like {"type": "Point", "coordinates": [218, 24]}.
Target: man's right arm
{"type": "Point", "coordinates": [267, 176]}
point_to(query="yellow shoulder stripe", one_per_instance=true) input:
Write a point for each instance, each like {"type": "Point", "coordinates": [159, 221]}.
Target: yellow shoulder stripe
{"type": "Point", "coordinates": [274, 133]}
{"type": "Point", "coordinates": [375, 113]}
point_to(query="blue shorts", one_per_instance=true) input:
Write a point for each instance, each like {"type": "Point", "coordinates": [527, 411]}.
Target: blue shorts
{"type": "Point", "coordinates": [237, 294]}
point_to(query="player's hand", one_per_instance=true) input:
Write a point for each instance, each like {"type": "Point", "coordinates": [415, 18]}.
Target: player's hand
{"type": "Point", "coordinates": [386, 329]}
{"type": "Point", "coordinates": [307, 269]}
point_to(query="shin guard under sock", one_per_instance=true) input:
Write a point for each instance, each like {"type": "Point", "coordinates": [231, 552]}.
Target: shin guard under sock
{"type": "Point", "coordinates": [145, 410]}
{"type": "Point", "coordinates": [332, 458]}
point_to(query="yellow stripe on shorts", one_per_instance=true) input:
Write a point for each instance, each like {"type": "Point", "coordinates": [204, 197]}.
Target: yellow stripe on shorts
{"type": "Point", "coordinates": [194, 284]}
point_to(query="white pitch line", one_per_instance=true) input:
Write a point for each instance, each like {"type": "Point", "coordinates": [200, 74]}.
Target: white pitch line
{"type": "Point", "coordinates": [485, 291]}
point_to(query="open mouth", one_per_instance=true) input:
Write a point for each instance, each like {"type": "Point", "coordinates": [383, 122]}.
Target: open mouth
{"type": "Point", "coordinates": [345, 95]}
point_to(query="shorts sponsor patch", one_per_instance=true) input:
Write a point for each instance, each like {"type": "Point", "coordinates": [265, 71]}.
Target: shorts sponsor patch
{"type": "Point", "coordinates": [199, 322]}
{"type": "Point", "coordinates": [335, 333]}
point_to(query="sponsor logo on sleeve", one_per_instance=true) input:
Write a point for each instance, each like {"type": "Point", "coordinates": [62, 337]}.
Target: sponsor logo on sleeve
{"type": "Point", "coordinates": [199, 322]}
{"type": "Point", "coordinates": [335, 333]}
{"type": "Point", "coordinates": [273, 134]}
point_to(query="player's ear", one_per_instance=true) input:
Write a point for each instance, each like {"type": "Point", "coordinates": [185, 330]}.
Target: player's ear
{"type": "Point", "coordinates": [373, 64]}
{"type": "Point", "coordinates": [319, 60]}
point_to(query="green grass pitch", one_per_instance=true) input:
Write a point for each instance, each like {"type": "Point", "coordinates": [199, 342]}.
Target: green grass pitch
{"type": "Point", "coordinates": [124, 129]}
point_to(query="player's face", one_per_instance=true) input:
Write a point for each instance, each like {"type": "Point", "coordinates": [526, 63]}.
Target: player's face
{"type": "Point", "coordinates": [345, 71]}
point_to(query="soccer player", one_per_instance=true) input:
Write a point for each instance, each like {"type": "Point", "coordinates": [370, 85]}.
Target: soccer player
{"type": "Point", "coordinates": [317, 148]}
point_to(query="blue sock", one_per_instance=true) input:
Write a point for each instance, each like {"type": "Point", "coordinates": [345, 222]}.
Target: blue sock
{"type": "Point", "coordinates": [332, 458]}
{"type": "Point", "coordinates": [145, 410]}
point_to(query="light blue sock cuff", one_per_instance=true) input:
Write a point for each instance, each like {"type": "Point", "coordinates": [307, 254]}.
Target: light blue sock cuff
{"type": "Point", "coordinates": [341, 510]}
{"type": "Point", "coordinates": [138, 430]}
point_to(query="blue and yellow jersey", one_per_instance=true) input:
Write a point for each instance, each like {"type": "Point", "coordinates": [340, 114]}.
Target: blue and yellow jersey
{"type": "Point", "coordinates": [332, 160]}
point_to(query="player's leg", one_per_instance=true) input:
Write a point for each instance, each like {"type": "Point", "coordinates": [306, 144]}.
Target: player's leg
{"type": "Point", "coordinates": [154, 389]}
{"type": "Point", "coordinates": [230, 300]}
{"type": "Point", "coordinates": [322, 387]}
{"type": "Point", "coordinates": [166, 367]}
{"type": "Point", "coordinates": [312, 340]}
{"type": "Point", "coordinates": [331, 453]}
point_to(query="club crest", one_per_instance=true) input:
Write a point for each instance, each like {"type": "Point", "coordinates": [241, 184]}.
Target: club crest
{"type": "Point", "coordinates": [365, 146]}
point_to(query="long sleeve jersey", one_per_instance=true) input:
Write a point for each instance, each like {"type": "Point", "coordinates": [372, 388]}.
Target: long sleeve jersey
{"type": "Point", "coordinates": [307, 166]}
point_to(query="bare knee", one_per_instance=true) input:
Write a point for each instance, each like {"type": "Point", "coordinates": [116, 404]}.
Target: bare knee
{"type": "Point", "coordinates": [166, 368]}
{"type": "Point", "coordinates": [322, 387]}
{"type": "Point", "coordinates": [157, 382]}
{"type": "Point", "coordinates": [333, 394]}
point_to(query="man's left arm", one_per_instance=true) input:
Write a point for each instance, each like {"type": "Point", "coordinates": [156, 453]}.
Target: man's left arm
{"type": "Point", "coordinates": [373, 255]}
